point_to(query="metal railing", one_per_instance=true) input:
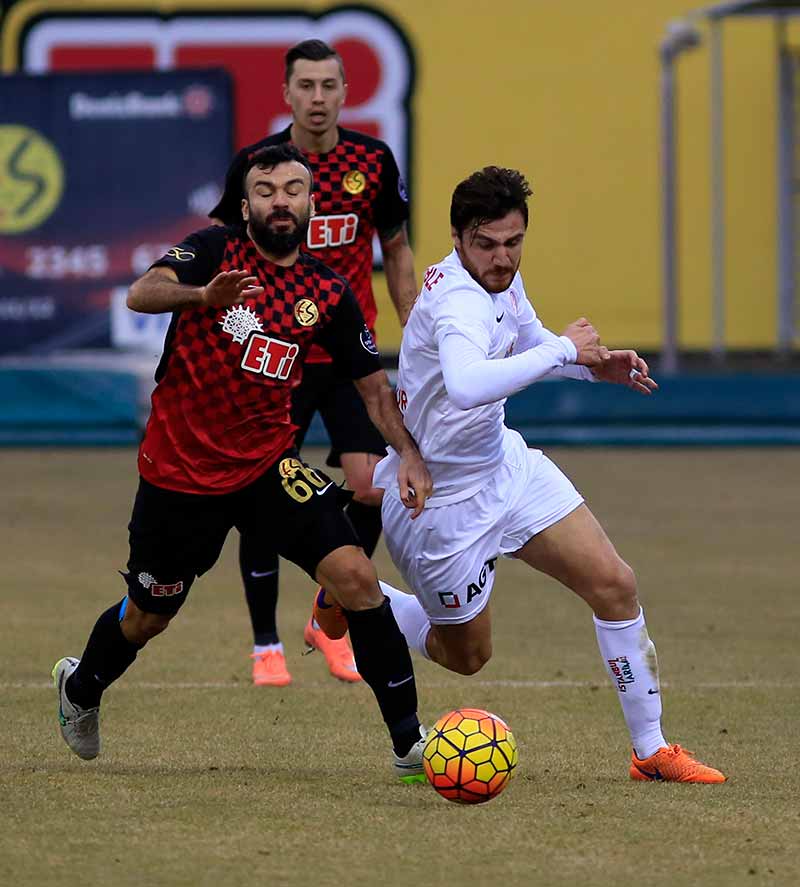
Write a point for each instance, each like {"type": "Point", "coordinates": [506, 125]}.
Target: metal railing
{"type": "Point", "coordinates": [682, 35]}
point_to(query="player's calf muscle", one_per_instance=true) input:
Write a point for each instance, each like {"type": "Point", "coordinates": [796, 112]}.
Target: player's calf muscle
{"type": "Point", "coordinates": [140, 627]}
{"type": "Point", "coordinates": [464, 648]}
{"type": "Point", "coordinates": [462, 661]}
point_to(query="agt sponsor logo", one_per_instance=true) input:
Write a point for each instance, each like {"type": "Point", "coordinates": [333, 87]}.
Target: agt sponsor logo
{"type": "Point", "coordinates": [451, 601]}
{"type": "Point", "coordinates": [622, 671]}
{"type": "Point", "coordinates": [196, 102]}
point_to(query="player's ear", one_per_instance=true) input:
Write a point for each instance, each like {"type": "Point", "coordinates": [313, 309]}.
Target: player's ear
{"type": "Point", "coordinates": [312, 207]}
{"type": "Point", "coordinates": [456, 237]}
{"type": "Point", "coordinates": [245, 209]}
{"type": "Point", "coordinates": [286, 95]}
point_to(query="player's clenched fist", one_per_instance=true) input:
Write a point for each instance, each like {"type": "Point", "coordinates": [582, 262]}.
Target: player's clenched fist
{"type": "Point", "coordinates": [231, 288]}
{"type": "Point", "coordinates": [587, 342]}
{"type": "Point", "coordinates": [415, 483]}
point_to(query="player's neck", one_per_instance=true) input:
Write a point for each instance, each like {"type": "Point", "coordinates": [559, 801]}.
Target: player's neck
{"type": "Point", "coordinates": [314, 143]}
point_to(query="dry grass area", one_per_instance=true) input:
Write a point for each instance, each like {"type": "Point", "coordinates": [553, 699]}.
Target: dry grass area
{"type": "Point", "coordinates": [206, 780]}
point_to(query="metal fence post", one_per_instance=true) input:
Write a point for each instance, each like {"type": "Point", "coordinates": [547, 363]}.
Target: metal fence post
{"type": "Point", "coordinates": [786, 189]}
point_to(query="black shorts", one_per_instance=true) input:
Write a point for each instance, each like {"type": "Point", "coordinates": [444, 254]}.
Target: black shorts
{"type": "Point", "coordinates": [175, 537]}
{"type": "Point", "coordinates": [342, 409]}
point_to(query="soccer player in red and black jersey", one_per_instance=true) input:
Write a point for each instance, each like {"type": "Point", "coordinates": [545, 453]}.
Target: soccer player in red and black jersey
{"type": "Point", "coordinates": [358, 191]}
{"type": "Point", "coordinates": [218, 450]}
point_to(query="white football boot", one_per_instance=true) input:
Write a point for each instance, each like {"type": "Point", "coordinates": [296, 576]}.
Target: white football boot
{"type": "Point", "coordinates": [80, 727]}
{"type": "Point", "coordinates": [409, 768]}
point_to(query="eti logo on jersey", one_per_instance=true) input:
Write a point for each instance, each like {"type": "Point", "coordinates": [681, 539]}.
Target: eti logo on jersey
{"type": "Point", "coordinates": [336, 230]}
{"type": "Point", "coordinates": [269, 356]}
{"type": "Point", "coordinates": [265, 355]}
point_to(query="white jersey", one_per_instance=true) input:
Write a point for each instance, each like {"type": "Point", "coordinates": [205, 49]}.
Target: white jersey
{"type": "Point", "coordinates": [462, 446]}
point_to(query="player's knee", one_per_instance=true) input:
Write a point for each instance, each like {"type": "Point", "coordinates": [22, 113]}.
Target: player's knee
{"type": "Point", "coordinates": [625, 584]}
{"type": "Point", "coordinates": [616, 589]}
{"type": "Point", "coordinates": [356, 586]}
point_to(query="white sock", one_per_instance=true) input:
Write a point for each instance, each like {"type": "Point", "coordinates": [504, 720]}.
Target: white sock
{"type": "Point", "coordinates": [630, 659]}
{"type": "Point", "coordinates": [410, 616]}
{"type": "Point", "coordinates": [258, 649]}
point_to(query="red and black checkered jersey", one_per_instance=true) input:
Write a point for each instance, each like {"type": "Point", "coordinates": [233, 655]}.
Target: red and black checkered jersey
{"type": "Point", "coordinates": [220, 410]}
{"type": "Point", "coordinates": [357, 191]}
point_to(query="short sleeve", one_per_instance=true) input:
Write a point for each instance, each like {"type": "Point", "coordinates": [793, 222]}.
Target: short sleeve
{"type": "Point", "coordinates": [391, 204]}
{"type": "Point", "coordinates": [348, 340]}
{"type": "Point", "coordinates": [196, 259]}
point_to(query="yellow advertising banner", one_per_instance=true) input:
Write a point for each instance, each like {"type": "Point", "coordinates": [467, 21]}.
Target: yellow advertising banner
{"type": "Point", "coordinates": [566, 92]}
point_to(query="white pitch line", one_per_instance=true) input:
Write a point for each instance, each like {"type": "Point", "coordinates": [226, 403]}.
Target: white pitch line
{"type": "Point", "coordinates": [425, 685]}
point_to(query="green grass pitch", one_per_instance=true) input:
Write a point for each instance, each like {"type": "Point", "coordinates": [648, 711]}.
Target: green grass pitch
{"type": "Point", "coordinates": [206, 780]}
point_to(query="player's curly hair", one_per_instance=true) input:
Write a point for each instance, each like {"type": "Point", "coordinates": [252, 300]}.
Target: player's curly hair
{"type": "Point", "coordinates": [271, 156]}
{"type": "Point", "coordinates": [487, 195]}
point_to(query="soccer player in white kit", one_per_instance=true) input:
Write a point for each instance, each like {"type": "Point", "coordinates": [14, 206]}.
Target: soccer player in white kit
{"type": "Point", "coordinates": [473, 339]}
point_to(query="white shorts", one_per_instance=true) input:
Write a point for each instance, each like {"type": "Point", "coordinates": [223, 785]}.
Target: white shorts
{"type": "Point", "coordinates": [448, 554]}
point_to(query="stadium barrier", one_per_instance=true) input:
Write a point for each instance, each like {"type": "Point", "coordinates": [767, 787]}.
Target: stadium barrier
{"type": "Point", "coordinates": [687, 409]}
{"type": "Point", "coordinates": [729, 410]}
{"type": "Point", "coordinates": [66, 405]}
{"type": "Point", "coordinates": [69, 407]}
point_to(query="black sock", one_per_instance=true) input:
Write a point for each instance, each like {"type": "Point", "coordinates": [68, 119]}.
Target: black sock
{"type": "Point", "coordinates": [383, 660]}
{"type": "Point", "coordinates": [366, 521]}
{"type": "Point", "coordinates": [108, 653]}
{"type": "Point", "coordinates": [259, 568]}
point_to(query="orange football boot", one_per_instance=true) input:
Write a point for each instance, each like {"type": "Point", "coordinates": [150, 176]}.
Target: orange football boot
{"type": "Point", "coordinates": [337, 651]}
{"type": "Point", "coordinates": [269, 669]}
{"type": "Point", "coordinates": [329, 616]}
{"type": "Point", "coordinates": [673, 764]}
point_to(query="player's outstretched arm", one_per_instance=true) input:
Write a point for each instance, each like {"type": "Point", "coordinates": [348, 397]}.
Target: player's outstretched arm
{"type": "Point", "coordinates": [625, 367]}
{"type": "Point", "coordinates": [158, 291]}
{"type": "Point", "coordinates": [398, 263]}
{"type": "Point", "coordinates": [413, 478]}
{"type": "Point", "coordinates": [472, 379]}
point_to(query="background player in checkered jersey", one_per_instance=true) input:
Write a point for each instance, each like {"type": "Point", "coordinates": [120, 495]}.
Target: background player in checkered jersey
{"type": "Point", "coordinates": [218, 450]}
{"type": "Point", "coordinates": [472, 340]}
{"type": "Point", "coordinates": [358, 191]}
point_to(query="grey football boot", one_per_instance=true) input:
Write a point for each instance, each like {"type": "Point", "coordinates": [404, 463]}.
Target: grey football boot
{"type": "Point", "coordinates": [80, 727]}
